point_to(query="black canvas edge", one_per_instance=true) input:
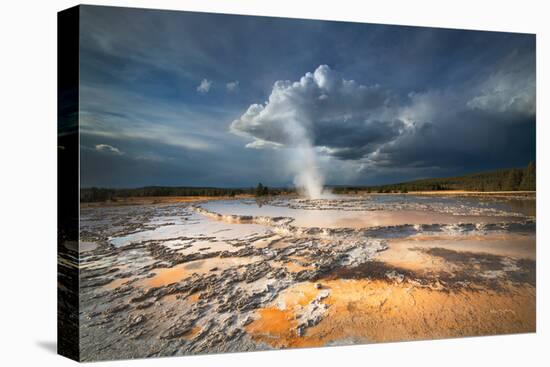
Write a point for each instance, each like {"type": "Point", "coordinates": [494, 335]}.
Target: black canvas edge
{"type": "Point", "coordinates": [68, 177]}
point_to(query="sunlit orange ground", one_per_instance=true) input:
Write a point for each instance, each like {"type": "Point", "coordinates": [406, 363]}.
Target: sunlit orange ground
{"type": "Point", "coordinates": [166, 276]}
{"type": "Point", "coordinates": [378, 311]}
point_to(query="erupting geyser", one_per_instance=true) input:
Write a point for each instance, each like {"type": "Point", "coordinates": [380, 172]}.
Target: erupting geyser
{"type": "Point", "coordinates": [307, 176]}
{"type": "Point", "coordinates": [284, 122]}
{"type": "Point", "coordinates": [302, 159]}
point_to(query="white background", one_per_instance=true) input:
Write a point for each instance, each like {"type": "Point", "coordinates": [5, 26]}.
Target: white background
{"type": "Point", "coordinates": [28, 182]}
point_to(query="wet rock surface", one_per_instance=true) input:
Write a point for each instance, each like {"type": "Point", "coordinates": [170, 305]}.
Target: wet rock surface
{"type": "Point", "coordinates": [459, 205]}
{"type": "Point", "coordinates": [176, 279]}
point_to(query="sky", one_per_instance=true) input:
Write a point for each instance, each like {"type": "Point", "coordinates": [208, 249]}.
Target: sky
{"type": "Point", "coordinates": [195, 99]}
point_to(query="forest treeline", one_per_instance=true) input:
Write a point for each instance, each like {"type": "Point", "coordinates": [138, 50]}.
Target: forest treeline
{"type": "Point", "coordinates": [512, 179]}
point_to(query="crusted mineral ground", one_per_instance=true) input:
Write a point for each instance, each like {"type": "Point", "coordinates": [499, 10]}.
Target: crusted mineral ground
{"type": "Point", "coordinates": [185, 278]}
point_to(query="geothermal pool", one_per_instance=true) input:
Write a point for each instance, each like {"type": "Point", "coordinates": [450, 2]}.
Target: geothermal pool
{"type": "Point", "coordinates": [236, 275]}
{"type": "Point", "coordinates": [376, 210]}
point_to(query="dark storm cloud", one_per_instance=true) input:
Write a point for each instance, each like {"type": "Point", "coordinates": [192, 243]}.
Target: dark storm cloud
{"type": "Point", "coordinates": [488, 122]}
{"type": "Point", "coordinates": [457, 127]}
{"type": "Point", "coordinates": [470, 139]}
{"type": "Point", "coordinates": [395, 102]}
{"type": "Point", "coordinates": [356, 136]}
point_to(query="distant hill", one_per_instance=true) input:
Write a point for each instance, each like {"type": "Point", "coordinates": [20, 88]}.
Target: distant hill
{"type": "Point", "coordinates": [512, 179]}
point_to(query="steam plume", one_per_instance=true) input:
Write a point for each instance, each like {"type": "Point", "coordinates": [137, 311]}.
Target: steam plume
{"type": "Point", "coordinates": [302, 160]}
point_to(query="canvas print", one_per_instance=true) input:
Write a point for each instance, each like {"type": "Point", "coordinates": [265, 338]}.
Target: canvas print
{"type": "Point", "coordinates": [239, 183]}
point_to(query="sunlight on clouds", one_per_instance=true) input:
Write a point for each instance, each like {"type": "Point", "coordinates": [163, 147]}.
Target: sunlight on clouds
{"type": "Point", "coordinates": [108, 148]}
{"type": "Point", "coordinates": [158, 134]}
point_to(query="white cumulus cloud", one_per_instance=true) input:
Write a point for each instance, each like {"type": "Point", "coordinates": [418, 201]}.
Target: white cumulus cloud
{"type": "Point", "coordinates": [204, 86]}
{"type": "Point", "coordinates": [108, 149]}
{"type": "Point", "coordinates": [324, 109]}
{"type": "Point", "coordinates": [232, 86]}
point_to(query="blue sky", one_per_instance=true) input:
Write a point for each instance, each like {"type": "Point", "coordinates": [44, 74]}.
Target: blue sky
{"type": "Point", "coordinates": [195, 99]}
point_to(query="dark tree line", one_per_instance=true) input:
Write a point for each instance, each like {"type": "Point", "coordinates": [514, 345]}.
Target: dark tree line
{"type": "Point", "coordinates": [95, 194]}
{"type": "Point", "coordinates": [513, 179]}
{"type": "Point", "coordinates": [262, 190]}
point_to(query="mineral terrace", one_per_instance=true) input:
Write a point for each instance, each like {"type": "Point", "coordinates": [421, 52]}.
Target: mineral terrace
{"type": "Point", "coordinates": [236, 275]}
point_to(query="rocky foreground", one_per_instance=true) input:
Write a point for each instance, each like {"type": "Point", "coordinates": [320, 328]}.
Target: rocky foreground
{"type": "Point", "coordinates": [160, 280]}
